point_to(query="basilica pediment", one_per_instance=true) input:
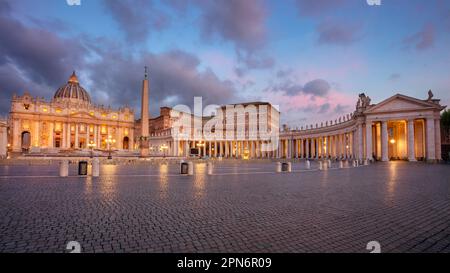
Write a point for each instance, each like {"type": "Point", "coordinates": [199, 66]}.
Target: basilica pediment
{"type": "Point", "coordinates": [400, 103]}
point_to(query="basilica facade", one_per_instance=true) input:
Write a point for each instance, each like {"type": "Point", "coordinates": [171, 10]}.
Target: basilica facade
{"type": "Point", "coordinates": [68, 123]}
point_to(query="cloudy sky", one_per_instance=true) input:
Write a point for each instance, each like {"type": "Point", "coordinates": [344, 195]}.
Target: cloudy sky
{"type": "Point", "coordinates": [310, 57]}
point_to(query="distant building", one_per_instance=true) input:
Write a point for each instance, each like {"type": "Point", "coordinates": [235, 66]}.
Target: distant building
{"type": "Point", "coordinates": [3, 138]}
{"type": "Point", "coordinates": [174, 133]}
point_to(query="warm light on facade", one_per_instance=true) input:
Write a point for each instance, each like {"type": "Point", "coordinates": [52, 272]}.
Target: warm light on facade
{"type": "Point", "coordinates": [201, 144]}
{"type": "Point", "coordinates": [163, 147]}
{"type": "Point", "coordinates": [58, 127]}
{"type": "Point", "coordinates": [392, 141]}
{"type": "Point", "coordinates": [45, 109]}
{"type": "Point", "coordinates": [91, 144]}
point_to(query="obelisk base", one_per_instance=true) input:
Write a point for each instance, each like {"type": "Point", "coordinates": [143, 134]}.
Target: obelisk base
{"type": "Point", "coordinates": [144, 152]}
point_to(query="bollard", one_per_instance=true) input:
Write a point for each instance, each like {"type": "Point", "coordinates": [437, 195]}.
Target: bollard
{"type": "Point", "coordinates": [64, 168]}
{"type": "Point", "coordinates": [329, 163]}
{"type": "Point", "coordinates": [95, 167]}
{"type": "Point", "coordinates": [341, 164]}
{"type": "Point", "coordinates": [278, 167]}
{"type": "Point", "coordinates": [354, 163]}
{"type": "Point", "coordinates": [366, 162]}
{"type": "Point", "coordinates": [190, 168]}
{"type": "Point", "coordinates": [320, 165]}
{"type": "Point", "coordinates": [308, 165]}
{"type": "Point", "coordinates": [82, 168]}
{"type": "Point", "coordinates": [209, 166]}
{"type": "Point", "coordinates": [184, 167]}
{"type": "Point", "coordinates": [325, 165]}
{"type": "Point", "coordinates": [289, 167]}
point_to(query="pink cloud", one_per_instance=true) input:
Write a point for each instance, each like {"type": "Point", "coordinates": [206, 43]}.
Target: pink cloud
{"type": "Point", "coordinates": [305, 109]}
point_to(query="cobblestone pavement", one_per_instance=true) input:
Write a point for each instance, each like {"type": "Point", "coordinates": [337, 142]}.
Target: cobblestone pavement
{"type": "Point", "coordinates": [243, 207]}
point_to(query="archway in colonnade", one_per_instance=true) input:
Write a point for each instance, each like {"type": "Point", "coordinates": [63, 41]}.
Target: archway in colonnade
{"type": "Point", "coordinates": [399, 138]}
{"type": "Point", "coordinates": [126, 143]}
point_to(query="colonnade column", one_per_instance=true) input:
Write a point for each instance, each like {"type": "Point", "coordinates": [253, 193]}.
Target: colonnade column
{"type": "Point", "coordinates": [411, 153]}
{"type": "Point", "coordinates": [369, 152]}
{"type": "Point", "coordinates": [431, 139]}
{"type": "Point", "coordinates": [437, 126]}
{"type": "Point", "coordinates": [360, 142]}
{"type": "Point", "coordinates": [307, 148]}
{"type": "Point", "coordinates": [384, 141]}
{"type": "Point", "coordinates": [300, 149]}
{"type": "Point", "coordinates": [317, 147]}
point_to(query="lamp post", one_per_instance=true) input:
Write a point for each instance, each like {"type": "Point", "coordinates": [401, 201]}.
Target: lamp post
{"type": "Point", "coordinates": [91, 146]}
{"type": "Point", "coordinates": [110, 141]}
{"type": "Point", "coordinates": [163, 148]}
{"type": "Point", "coordinates": [200, 145]}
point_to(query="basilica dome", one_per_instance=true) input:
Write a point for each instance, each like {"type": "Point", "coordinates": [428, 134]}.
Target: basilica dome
{"type": "Point", "coordinates": [72, 90]}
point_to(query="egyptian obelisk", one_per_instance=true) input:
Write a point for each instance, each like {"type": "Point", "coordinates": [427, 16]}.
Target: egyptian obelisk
{"type": "Point", "coordinates": [144, 117]}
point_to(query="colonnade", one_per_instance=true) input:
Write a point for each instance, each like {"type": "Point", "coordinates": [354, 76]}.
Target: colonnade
{"type": "Point", "coordinates": [315, 147]}
{"type": "Point", "coordinates": [410, 139]}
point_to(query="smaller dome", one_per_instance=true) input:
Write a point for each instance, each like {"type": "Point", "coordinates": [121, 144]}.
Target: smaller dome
{"type": "Point", "coordinates": [72, 90]}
